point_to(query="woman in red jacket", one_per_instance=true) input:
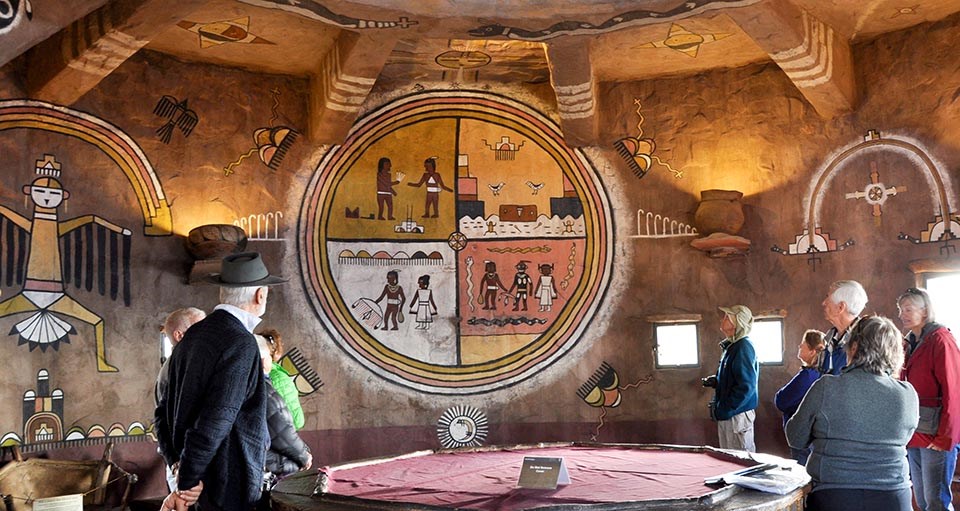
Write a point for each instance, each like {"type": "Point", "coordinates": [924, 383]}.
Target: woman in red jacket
{"type": "Point", "coordinates": [933, 368]}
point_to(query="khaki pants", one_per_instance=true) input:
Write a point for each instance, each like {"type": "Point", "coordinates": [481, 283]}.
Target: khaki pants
{"type": "Point", "coordinates": [737, 432]}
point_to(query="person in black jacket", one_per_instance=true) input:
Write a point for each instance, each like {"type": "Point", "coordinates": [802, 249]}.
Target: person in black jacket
{"type": "Point", "coordinates": [212, 419]}
{"type": "Point", "coordinates": [288, 453]}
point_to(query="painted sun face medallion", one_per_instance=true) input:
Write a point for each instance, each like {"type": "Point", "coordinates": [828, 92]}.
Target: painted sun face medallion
{"type": "Point", "coordinates": [462, 426]}
{"type": "Point", "coordinates": [451, 211]}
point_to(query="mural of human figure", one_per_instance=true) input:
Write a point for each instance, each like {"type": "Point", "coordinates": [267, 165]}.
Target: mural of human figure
{"type": "Point", "coordinates": [43, 290]}
{"type": "Point", "coordinates": [385, 184]}
{"type": "Point", "coordinates": [393, 292]}
{"type": "Point", "coordinates": [490, 283]}
{"type": "Point", "coordinates": [434, 184]}
{"type": "Point", "coordinates": [545, 291]}
{"type": "Point", "coordinates": [522, 282]}
{"type": "Point", "coordinates": [422, 303]}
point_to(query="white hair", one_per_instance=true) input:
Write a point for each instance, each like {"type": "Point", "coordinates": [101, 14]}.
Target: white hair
{"type": "Point", "coordinates": [182, 319]}
{"type": "Point", "coordinates": [238, 296]}
{"type": "Point", "coordinates": [851, 293]}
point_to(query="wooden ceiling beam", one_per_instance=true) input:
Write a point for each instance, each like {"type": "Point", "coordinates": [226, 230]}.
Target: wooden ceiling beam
{"type": "Point", "coordinates": [73, 61]}
{"type": "Point", "coordinates": [573, 81]}
{"type": "Point", "coordinates": [813, 55]}
{"type": "Point", "coordinates": [25, 28]}
{"type": "Point", "coordinates": [339, 88]}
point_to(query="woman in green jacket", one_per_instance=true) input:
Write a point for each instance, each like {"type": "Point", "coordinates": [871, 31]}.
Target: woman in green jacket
{"type": "Point", "coordinates": [281, 380]}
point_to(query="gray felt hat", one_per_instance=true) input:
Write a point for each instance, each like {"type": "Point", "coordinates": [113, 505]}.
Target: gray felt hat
{"type": "Point", "coordinates": [245, 269]}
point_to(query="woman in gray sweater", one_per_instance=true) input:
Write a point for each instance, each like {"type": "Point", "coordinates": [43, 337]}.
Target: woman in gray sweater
{"type": "Point", "coordinates": [858, 424]}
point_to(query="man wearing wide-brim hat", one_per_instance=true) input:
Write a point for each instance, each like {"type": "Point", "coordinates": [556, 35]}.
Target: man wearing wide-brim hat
{"type": "Point", "coordinates": [215, 405]}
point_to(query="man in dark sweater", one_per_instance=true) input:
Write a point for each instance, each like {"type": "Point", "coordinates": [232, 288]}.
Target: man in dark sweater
{"type": "Point", "coordinates": [215, 405]}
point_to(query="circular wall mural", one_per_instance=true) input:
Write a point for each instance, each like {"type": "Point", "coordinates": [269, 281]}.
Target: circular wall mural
{"type": "Point", "coordinates": [454, 244]}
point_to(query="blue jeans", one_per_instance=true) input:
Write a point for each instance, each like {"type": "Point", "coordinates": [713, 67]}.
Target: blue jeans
{"type": "Point", "coordinates": [931, 473]}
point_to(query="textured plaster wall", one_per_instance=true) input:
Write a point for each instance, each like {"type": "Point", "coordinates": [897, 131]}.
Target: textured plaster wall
{"type": "Point", "coordinates": [747, 129]}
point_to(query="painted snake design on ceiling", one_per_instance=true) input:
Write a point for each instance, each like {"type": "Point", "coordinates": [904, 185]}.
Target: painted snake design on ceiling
{"type": "Point", "coordinates": [314, 10]}
{"type": "Point", "coordinates": [627, 19]}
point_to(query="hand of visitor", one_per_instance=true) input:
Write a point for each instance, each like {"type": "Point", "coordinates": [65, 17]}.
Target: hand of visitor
{"type": "Point", "coordinates": [190, 496]}
{"type": "Point", "coordinates": [308, 464]}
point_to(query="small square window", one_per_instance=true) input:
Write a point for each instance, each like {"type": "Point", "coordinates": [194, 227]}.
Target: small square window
{"type": "Point", "coordinates": [677, 345]}
{"type": "Point", "coordinates": [767, 338]}
{"type": "Point", "coordinates": [944, 292]}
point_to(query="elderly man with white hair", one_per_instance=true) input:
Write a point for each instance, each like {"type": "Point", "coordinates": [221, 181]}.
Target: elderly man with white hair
{"type": "Point", "coordinates": [844, 302]}
{"type": "Point", "coordinates": [175, 326]}
{"type": "Point", "coordinates": [216, 402]}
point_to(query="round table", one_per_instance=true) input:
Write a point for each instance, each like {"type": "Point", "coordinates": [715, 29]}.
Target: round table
{"type": "Point", "coordinates": [602, 477]}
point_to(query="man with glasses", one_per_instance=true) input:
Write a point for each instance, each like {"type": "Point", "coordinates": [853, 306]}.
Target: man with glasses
{"type": "Point", "coordinates": [844, 302]}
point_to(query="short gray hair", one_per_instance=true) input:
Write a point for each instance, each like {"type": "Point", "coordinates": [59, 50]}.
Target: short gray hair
{"type": "Point", "coordinates": [879, 345]}
{"type": "Point", "coordinates": [238, 296]}
{"type": "Point", "coordinates": [851, 293]}
{"type": "Point", "coordinates": [182, 319]}
{"type": "Point", "coordinates": [920, 299]}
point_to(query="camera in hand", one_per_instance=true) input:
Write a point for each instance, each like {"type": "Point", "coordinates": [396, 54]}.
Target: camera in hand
{"type": "Point", "coordinates": [709, 381]}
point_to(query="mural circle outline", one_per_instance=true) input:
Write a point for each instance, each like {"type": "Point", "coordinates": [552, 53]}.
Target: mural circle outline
{"type": "Point", "coordinates": [343, 256]}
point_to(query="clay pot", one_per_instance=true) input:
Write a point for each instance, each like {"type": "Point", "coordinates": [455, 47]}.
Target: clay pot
{"type": "Point", "coordinates": [215, 241]}
{"type": "Point", "coordinates": [719, 211]}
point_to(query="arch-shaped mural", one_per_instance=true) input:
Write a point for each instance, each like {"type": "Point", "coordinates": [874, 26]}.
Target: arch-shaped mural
{"type": "Point", "coordinates": [945, 226]}
{"type": "Point", "coordinates": [31, 114]}
{"type": "Point", "coordinates": [931, 170]}
{"type": "Point", "coordinates": [510, 257]}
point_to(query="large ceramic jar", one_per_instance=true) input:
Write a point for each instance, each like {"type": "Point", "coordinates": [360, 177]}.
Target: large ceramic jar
{"type": "Point", "coordinates": [719, 211]}
{"type": "Point", "coordinates": [215, 241]}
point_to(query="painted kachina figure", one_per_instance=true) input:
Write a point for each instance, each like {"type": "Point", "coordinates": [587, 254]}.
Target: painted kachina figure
{"type": "Point", "coordinates": [545, 291]}
{"type": "Point", "coordinates": [490, 283]}
{"type": "Point", "coordinates": [522, 283]}
{"type": "Point", "coordinates": [422, 303]}
{"type": "Point", "coordinates": [44, 290]}
{"type": "Point", "coordinates": [393, 292]}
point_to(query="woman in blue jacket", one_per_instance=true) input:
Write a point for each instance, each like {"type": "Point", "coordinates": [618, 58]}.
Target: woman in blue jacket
{"type": "Point", "coordinates": [788, 398]}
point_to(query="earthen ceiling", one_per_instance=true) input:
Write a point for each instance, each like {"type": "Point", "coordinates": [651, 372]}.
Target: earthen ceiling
{"type": "Point", "coordinates": [345, 47]}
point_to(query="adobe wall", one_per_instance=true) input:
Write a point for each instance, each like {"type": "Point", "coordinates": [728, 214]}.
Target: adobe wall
{"type": "Point", "coordinates": [745, 129]}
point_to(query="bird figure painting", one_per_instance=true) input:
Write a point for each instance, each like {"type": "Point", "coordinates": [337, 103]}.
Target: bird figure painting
{"type": "Point", "coordinates": [179, 116]}
{"type": "Point", "coordinates": [496, 188]}
{"type": "Point", "coordinates": [535, 187]}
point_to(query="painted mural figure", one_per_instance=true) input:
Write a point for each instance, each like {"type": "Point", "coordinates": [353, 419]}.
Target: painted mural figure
{"type": "Point", "coordinates": [545, 292]}
{"type": "Point", "coordinates": [434, 184]}
{"type": "Point", "coordinates": [490, 283]}
{"type": "Point", "coordinates": [385, 184]}
{"type": "Point", "coordinates": [422, 303]}
{"type": "Point", "coordinates": [522, 283]}
{"type": "Point", "coordinates": [43, 290]}
{"type": "Point", "coordinates": [393, 292]}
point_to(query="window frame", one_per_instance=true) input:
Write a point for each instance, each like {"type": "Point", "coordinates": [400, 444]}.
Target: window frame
{"type": "Point", "coordinates": [770, 319]}
{"type": "Point", "coordinates": [658, 322]}
{"type": "Point", "coordinates": [924, 269]}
